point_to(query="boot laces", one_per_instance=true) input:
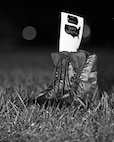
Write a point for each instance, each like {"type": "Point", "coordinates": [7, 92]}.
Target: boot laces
{"type": "Point", "coordinates": [61, 76]}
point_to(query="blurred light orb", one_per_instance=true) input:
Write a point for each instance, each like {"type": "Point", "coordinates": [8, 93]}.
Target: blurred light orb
{"type": "Point", "coordinates": [29, 33]}
{"type": "Point", "coordinates": [87, 31]}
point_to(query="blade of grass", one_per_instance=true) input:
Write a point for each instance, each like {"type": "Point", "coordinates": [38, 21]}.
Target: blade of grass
{"type": "Point", "coordinates": [21, 100]}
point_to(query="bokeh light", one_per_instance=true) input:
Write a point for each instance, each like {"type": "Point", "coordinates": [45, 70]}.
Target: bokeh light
{"type": "Point", "coordinates": [29, 33]}
{"type": "Point", "coordinates": [87, 31]}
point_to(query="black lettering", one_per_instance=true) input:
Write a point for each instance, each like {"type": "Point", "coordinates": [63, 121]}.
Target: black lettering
{"type": "Point", "coordinates": [72, 19]}
{"type": "Point", "coordinates": [73, 31]}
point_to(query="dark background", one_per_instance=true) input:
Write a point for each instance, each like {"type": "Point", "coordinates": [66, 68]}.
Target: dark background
{"type": "Point", "coordinates": [45, 17]}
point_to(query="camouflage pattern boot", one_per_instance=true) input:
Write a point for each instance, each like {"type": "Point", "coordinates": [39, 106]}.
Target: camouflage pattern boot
{"type": "Point", "coordinates": [68, 66]}
{"type": "Point", "coordinates": [87, 88]}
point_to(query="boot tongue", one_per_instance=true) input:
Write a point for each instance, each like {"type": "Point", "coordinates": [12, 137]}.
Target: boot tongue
{"type": "Point", "coordinates": [56, 56]}
{"type": "Point", "coordinates": [78, 59]}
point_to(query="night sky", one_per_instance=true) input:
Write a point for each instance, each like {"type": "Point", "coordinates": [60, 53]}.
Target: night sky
{"type": "Point", "coordinates": [46, 19]}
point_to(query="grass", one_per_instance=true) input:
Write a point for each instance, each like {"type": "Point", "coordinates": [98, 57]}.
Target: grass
{"type": "Point", "coordinates": [19, 123]}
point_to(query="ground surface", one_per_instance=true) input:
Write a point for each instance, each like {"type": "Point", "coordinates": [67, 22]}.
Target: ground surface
{"type": "Point", "coordinates": [23, 75]}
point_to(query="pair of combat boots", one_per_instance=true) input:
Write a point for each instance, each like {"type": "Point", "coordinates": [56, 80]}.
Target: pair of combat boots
{"type": "Point", "coordinates": [74, 79]}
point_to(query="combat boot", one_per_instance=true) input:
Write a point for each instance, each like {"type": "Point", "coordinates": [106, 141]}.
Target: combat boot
{"type": "Point", "coordinates": [67, 68]}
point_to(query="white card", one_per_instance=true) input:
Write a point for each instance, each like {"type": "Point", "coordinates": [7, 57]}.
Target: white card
{"type": "Point", "coordinates": [71, 30]}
